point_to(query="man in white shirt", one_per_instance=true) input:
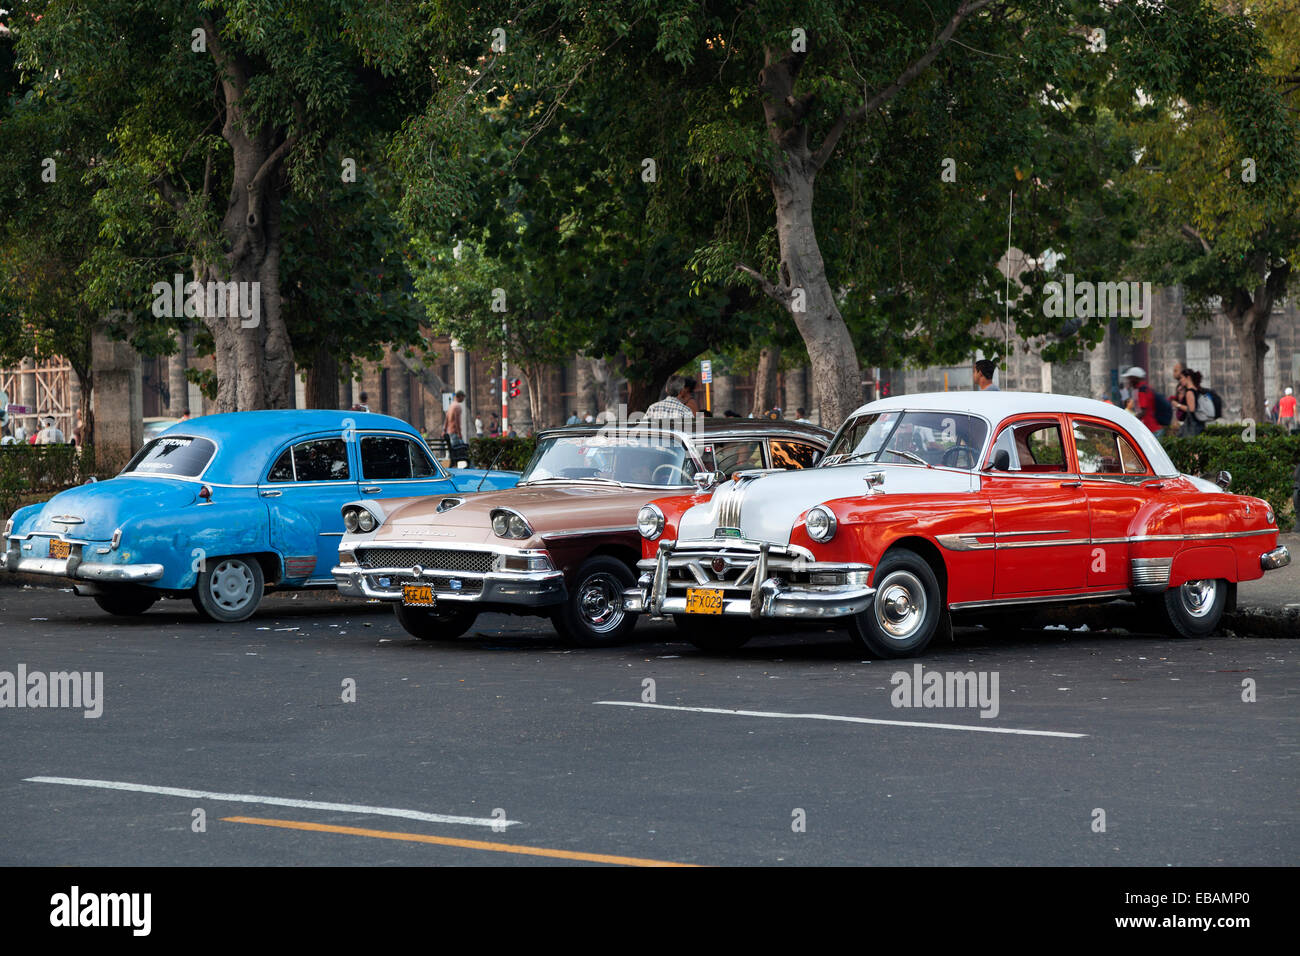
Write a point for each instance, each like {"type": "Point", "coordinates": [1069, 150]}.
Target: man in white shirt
{"type": "Point", "coordinates": [51, 434]}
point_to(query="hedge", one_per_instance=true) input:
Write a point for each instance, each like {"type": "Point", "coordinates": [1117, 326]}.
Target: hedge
{"type": "Point", "coordinates": [515, 453]}
{"type": "Point", "coordinates": [36, 471]}
{"type": "Point", "coordinates": [1264, 467]}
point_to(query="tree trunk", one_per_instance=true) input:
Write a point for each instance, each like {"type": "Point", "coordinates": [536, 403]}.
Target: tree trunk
{"type": "Point", "coordinates": [765, 393]}
{"type": "Point", "coordinates": [323, 379]}
{"type": "Point", "coordinates": [1249, 317]}
{"type": "Point", "coordinates": [178, 386]}
{"type": "Point", "coordinates": [536, 415]}
{"type": "Point", "coordinates": [810, 299]}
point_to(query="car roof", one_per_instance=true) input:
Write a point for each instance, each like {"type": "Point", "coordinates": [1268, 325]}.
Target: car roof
{"type": "Point", "coordinates": [246, 440]}
{"type": "Point", "coordinates": [714, 428]}
{"type": "Point", "coordinates": [997, 405]}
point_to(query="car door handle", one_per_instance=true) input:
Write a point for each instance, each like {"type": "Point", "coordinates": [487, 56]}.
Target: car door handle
{"type": "Point", "coordinates": [1071, 484]}
{"type": "Point", "coordinates": [371, 490]}
{"type": "Point", "coordinates": [270, 494]}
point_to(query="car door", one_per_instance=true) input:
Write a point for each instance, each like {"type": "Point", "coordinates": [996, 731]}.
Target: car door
{"type": "Point", "coordinates": [1040, 510]}
{"type": "Point", "coordinates": [1119, 484]}
{"type": "Point", "coordinates": [304, 489]}
{"type": "Point", "coordinates": [394, 465]}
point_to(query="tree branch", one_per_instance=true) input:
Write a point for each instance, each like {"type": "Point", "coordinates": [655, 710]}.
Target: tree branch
{"type": "Point", "coordinates": [904, 80]}
{"type": "Point", "coordinates": [1191, 233]}
{"type": "Point", "coordinates": [771, 288]}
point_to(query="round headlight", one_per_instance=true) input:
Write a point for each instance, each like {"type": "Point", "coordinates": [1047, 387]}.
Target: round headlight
{"type": "Point", "coordinates": [1268, 514]}
{"type": "Point", "coordinates": [365, 521]}
{"type": "Point", "coordinates": [500, 524]}
{"type": "Point", "coordinates": [650, 522]}
{"type": "Point", "coordinates": [350, 520]}
{"type": "Point", "coordinates": [519, 527]}
{"type": "Point", "coordinates": [820, 523]}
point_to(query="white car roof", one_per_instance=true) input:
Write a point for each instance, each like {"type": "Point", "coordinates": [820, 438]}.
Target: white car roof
{"type": "Point", "coordinates": [997, 405]}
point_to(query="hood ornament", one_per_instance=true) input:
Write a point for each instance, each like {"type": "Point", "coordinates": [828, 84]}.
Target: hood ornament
{"type": "Point", "coordinates": [68, 519]}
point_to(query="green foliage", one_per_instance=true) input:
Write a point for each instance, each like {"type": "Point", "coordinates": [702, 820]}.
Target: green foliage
{"type": "Point", "coordinates": [515, 453]}
{"type": "Point", "coordinates": [34, 472]}
{"type": "Point", "coordinates": [1264, 467]}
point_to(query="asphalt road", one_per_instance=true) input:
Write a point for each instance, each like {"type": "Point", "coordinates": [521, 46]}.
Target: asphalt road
{"type": "Point", "coordinates": [510, 720]}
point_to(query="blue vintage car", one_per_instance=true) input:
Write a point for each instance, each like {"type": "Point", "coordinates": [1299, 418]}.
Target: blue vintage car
{"type": "Point", "coordinates": [218, 509]}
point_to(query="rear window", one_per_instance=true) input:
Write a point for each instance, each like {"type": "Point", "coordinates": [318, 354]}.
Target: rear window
{"type": "Point", "coordinates": [173, 455]}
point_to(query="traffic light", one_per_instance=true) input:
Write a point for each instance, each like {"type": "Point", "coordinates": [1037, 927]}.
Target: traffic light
{"type": "Point", "coordinates": [515, 386]}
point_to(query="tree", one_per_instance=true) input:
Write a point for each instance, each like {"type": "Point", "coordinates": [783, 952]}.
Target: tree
{"type": "Point", "coordinates": [1220, 173]}
{"type": "Point", "coordinates": [217, 112]}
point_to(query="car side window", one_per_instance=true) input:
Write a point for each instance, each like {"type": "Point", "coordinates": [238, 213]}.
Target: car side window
{"type": "Point", "coordinates": [1103, 451]}
{"type": "Point", "coordinates": [391, 457]}
{"type": "Point", "coordinates": [324, 459]}
{"type": "Point", "coordinates": [792, 454]}
{"type": "Point", "coordinates": [282, 470]}
{"type": "Point", "coordinates": [734, 456]}
{"type": "Point", "coordinates": [1029, 447]}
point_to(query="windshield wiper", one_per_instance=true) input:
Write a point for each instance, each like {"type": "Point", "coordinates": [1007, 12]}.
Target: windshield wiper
{"type": "Point", "coordinates": [534, 481]}
{"type": "Point", "coordinates": [907, 454]}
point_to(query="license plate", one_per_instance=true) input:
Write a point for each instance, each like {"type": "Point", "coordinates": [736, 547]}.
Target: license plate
{"type": "Point", "coordinates": [417, 595]}
{"type": "Point", "coordinates": [703, 601]}
{"type": "Point", "coordinates": [59, 549]}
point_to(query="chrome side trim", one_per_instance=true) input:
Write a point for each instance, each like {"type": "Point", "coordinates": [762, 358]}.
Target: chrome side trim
{"type": "Point", "coordinates": [586, 531]}
{"type": "Point", "coordinates": [1047, 599]}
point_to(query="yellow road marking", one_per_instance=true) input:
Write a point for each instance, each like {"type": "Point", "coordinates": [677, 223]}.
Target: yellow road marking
{"type": "Point", "coordinates": [454, 841]}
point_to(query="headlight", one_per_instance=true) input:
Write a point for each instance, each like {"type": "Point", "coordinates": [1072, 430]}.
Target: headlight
{"type": "Point", "coordinates": [9, 527]}
{"type": "Point", "coordinates": [650, 522]}
{"type": "Point", "coordinates": [820, 523]}
{"type": "Point", "coordinates": [365, 521]}
{"type": "Point", "coordinates": [350, 519]}
{"type": "Point", "coordinates": [359, 520]}
{"type": "Point", "coordinates": [508, 524]}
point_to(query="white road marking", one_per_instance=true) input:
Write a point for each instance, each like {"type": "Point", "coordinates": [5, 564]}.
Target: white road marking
{"type": "Point", "coordinates": [847, 720]}
{"type": "Point", "coordinates": [275, 801]}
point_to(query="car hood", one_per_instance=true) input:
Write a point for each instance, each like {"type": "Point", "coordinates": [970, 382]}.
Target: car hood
{"type": "Point", "coordinates": [769, 505]}
{"type": "Point", "coordinates": [548, 508]}
{"type": "Point", "coordinates": [104, 506]}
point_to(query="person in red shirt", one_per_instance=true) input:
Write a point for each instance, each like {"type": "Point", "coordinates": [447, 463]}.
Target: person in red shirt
{"type": "Point", "coordinates": [1142, 402]}
{"type": "Point", "coordinates": [1286, 407]}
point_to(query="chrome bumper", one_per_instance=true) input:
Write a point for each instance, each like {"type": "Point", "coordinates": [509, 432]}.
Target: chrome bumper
{"type": "Point", "coordinates": [526, 588]}
{"type": "Point", "coordinates": [768, 596]}
{"type": "Point", "coordinates": [1279, 557]}
{"type": "Point", "coordinates": [73, 567]}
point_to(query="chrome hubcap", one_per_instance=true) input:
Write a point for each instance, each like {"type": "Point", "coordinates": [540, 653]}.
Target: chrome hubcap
{"type": "Point", "coordinates": [900, 605]}
{"type": "Point", "coordinates": [600, 602]}
{"type": "Point", "coordinates": [231, 585]}
{"type": "Point", "coordinates": [1198, 596]}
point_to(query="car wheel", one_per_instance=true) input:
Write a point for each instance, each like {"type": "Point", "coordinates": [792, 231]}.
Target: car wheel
{"type": "Point", "coordinates": [593, 615]}
{"type": "Point", "coordinates": [1194, 609]}
{"type": "Point", "coordinates": [906, 610]}
{"type": "Point", "coordinates": [126, 602]}
{"type": "Point", "coordinates": [229, 589]}
{"type": "Point", "coordinates": [444, 624]}
{"type": "Point", "coordinates": [713, 634]}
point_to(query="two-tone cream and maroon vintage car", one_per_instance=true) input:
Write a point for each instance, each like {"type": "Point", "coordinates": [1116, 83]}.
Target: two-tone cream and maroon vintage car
{"type": "Point", "coordinates": [926, 505]}
{"type": "Point", "coordinates": [564, 542]}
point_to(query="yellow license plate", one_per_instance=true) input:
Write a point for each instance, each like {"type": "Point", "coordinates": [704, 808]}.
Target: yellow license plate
{"type": "Point", "coordinates": [417, 595]}
{"type": "Point", "coordinates": [703, 601]}
{"type": "Point", "coordinates": [59, 549]}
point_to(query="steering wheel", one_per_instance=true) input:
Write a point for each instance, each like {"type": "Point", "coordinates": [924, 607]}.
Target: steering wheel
{"type": "Point", "coordinates": [673, 472]}
{"type": "Point", "coordinates": [956, 450]}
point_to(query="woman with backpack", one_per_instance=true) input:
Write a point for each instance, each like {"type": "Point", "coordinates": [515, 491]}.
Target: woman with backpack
{"type": "Point", "coordinates": [1198, 404]}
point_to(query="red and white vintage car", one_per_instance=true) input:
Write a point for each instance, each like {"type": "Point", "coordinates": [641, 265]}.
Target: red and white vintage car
{"type": "Point", "coordinates": [926, 505]}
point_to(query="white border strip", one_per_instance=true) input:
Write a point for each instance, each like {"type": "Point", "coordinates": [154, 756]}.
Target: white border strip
{"type": "Point", "coordinates": [847, 720]}
{"type": "Point", "coordinates": [275, 801]}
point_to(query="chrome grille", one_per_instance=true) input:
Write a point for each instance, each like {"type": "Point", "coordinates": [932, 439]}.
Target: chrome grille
{"type": "Point", "coordinates": [730, 497]}
{"type": "Point", "coordinates": [432, 559]}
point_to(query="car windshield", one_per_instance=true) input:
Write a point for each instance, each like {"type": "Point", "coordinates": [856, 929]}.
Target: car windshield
{"type": "Point", "coordinates": [175, 456]}
{"type": "Point", "coordinates": [946, 439]}
{"type": "Point", "coordinates": [630, 459]}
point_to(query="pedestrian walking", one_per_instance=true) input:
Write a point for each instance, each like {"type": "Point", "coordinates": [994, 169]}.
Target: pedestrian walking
{"type": "Point", "coordinates": [1286, 410]}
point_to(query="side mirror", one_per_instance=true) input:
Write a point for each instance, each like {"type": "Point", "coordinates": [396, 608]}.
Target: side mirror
{"type": "Point", "coordinates": [708, 480]}
{"type": "Point", "coordinates": [1223, 479]}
